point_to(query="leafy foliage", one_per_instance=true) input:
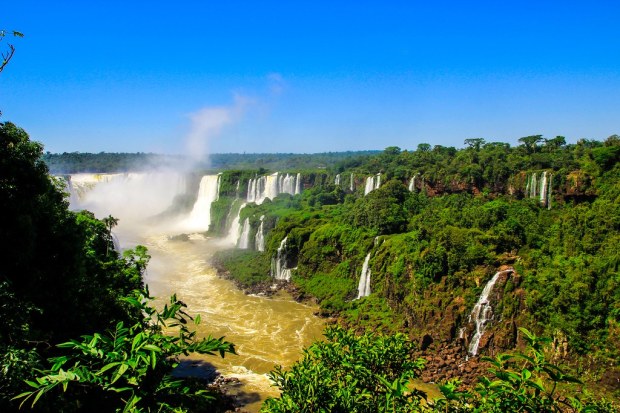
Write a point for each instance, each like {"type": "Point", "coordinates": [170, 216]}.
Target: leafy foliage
{"type": "Point", "coordinates": [349, 373]}
{"type": "Point", "coordinates": [128, 368]}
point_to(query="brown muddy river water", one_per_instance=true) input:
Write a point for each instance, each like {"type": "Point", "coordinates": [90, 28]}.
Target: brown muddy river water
{"type": "Point", "coordinates": [265, 331]}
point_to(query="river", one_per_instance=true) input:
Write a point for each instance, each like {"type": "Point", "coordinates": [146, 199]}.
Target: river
{"type": "Point", "coordinates": [265, 331]}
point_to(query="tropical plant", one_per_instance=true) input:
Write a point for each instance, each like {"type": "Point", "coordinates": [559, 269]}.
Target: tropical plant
{"type": "Point", "coordinates": [350, 373]}
{"type": "Point", "coordinates": [128, 368]}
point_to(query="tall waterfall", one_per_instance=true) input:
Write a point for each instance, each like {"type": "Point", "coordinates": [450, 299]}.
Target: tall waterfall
{"type": "Point", "coordinates": [260, 235]}
{"type": "Point", "coordinates": [270, 186]}
{"type": "Point", "coordinates": [482, 313]}
{"type": "Point", "coordinates": [337, 180]}
{"type": "Point", "coordinates": [234, 232]}
{"type": "Point", "coordinates": [533, 186]}
{"type": "Point", "coordinates": [372, 183]}
{"type": "Point", "coordinates": [279, 271]}
{"type": "Point", "coordinates": [363, 289]}
{"type": "Point", "coordinates": [540, 189]}
{"type": "Point", "coordinates": [200, 217]}
{"type": "Point", "coordinates": [543, 188]}
{"type": "Point", "coordinates": [244, 238]}
{"type": "Point", "coordinates": [352, 184]}
{"type": "Point", "coordinates": [298, 184]}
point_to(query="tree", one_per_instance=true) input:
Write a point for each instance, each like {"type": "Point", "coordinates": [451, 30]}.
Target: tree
{"type": "Point", "coordinates": [6, 56]}
{"type": "Point", "coordinates": [555, 143]}
{"type": "Point", "coordinates": [530, 142]}
{"type": "Point", "coordinates": [350, 373]}
{"type": "Point", "coordinates": [424, 147]}
{"type": "Point", "coordinates": [475, 143]}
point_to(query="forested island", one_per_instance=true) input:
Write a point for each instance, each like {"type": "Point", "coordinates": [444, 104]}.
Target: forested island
{"type": "Point", "coordinates": [439, 264]}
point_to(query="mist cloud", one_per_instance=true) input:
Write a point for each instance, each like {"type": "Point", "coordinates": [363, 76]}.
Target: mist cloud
{"type": "Point", "coordinates": [208, 122]}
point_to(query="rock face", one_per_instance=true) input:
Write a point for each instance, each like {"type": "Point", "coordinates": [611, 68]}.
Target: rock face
{"type": "Point", "coordinates": [449, 359]}
{"type": "Point", "coordinates": [444, 328]}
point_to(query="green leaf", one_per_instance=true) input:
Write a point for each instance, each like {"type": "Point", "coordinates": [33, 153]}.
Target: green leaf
{"type": "Point", "coordinates": [119, 373]}
{"type": "Point", "coordinates": [152, 347]}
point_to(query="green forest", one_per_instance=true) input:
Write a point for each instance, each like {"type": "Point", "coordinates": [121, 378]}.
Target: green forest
{"type": "Point", "coordinates": [81, 333]}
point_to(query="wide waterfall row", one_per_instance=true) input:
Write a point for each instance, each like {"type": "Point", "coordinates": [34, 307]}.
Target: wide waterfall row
{"type": "Point", "coordinates": [363, 288]}
{"type": "Point", "coordinates": [131, 197]}
{"type": "Point", "coordinates": [279, 270]}
{"type": "Point", "coordinates": [482, 313]}
{"type": "Point", "coordinates": [372, 183]}
{"type": "Point", "coordinates": [540, 187]}
{"type": "Point", "coordinates": [271, 186]}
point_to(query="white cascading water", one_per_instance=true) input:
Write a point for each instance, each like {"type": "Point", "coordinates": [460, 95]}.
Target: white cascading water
{"type": "Point", "coordinates": [412, 183]}
{"type": "Point", "coordinates": [244, 238]}
{"type": "Point", "coordinates": [337, 180]}
{"type": "Point", "coordinates": [279, 271]}
{"type": "Point", "coordinates": [363, 289]}
{"type": "Point", "coordinates": [298, 184]}
{"type": "Point", "coordinates": [260, 236]}
{"type": "Point", "coordinates": [370, 185]}
{"type": "Point", "coordinates": [482, 313]}
{"type": "Point", "coordinates": [130, 197]}
{"type": "Point", "coordinates": [543, 188]}
{"type": "Point", "coordinates": [200, 217]}
{"type": "Point", "coordinates": [352, 184]}
{"type": "Point", "coordinates": [234, 232]}
{"type": "Point", "coordinates": [533, 186]}
{"type": "Point", "coordinates": [271, 186]}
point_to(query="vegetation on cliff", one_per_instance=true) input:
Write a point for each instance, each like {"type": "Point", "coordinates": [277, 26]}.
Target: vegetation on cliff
{"type": "Point", "coordinates": [441, 224]}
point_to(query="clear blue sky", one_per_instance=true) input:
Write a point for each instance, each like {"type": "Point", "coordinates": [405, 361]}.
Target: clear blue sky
{"type": "Point", "coordinates": [308, 76]}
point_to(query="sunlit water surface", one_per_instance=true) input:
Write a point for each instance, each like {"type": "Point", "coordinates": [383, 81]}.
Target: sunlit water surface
{"type": "Point", "coordinates": [265, 331]}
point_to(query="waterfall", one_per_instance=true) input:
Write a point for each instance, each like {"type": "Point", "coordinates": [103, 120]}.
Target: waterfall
{"type": "Point", "coordinates": [200, 217]}
{"type": "Point", "coordinates": [543, 188]}
{"type": "Point", "coordinates": [235, 228]}
{"type": "Point", "coordinates": [244, 238]}
{"type": "Point", "coordinates": [288, 184]}
{"type": "Point", "coordinates": [412, 183]}
{"type": "Point", "coordinates": [372, 183]}
{"type": "Point", "coordinates": [270, 186]}
{"type": "Point", "coordinates": [279, 271]}
{"type": "Point", "coordinates": [533, 186]}
{"type": "Point", "coordinates": [482, 313]}
{"type": "Point", "coordinates": [369, 185]}
{"type": "Point", "coordinates": [337, 180]}
{"type": "Point", "coordinates": [298, 184]}
{"type": "Point", "coordinates": [352, 184]}
{"type": "Point", "coordinates": [363, 289]}
{"type": "Point", "coordinates": [260, 236]}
